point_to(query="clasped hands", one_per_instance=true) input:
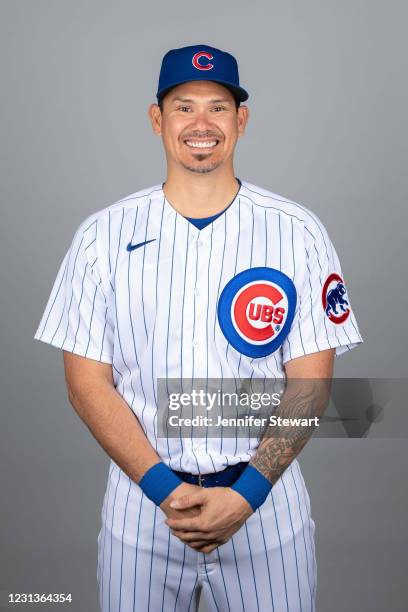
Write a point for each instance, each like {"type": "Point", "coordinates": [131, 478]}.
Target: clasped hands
{"type": "Point", "coordinates": [205, 518]}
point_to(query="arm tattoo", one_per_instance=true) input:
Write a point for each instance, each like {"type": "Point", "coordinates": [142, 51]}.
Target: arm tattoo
{"type": "Point", "coordinates": [281, 443]}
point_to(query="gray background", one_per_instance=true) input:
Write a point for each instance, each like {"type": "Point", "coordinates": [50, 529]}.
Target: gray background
{"type": "Point", "coordinates": [327, 83]}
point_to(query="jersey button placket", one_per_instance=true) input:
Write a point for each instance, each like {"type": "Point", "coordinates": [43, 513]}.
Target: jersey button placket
{"type": "Point", "coordinates": [188, 340]}
{"type": "Point", "coordinates": [200, 308]}
{"type": "Point", "coordinates": [202, 250]}
{"type": "Point", "coordinates": [186, 304]}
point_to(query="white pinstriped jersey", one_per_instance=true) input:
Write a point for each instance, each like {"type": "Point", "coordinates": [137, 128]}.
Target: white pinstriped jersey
{"type": "Point", "coordinates": [152, 312]}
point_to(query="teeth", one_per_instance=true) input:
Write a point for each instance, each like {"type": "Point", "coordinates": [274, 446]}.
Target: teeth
{"type": "Point", "coordinates": [201, 145]}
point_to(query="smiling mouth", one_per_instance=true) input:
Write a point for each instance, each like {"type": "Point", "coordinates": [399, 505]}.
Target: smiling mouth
{"type": "Point", "coordinates": [201, 144]}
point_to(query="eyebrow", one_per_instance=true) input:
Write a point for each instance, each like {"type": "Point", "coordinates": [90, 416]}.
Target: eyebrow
{"type": "Point", "coordinates": [214, 101]}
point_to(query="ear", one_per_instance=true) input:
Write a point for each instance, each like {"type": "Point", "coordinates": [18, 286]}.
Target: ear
{"type": "Point", "coordinates": [243, 116]}
{"type": "Point", "coordinates": [155, 118]}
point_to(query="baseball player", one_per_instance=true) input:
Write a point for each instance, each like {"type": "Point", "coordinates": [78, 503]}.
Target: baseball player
{"type": "Point", "coordinates": [204, 276]}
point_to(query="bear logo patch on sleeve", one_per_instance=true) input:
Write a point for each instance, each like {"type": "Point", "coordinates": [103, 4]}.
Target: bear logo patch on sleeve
{"type": "Point", "coordinates": [334, 299]}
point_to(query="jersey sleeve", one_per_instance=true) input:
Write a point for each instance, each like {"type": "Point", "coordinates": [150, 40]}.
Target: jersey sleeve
{"type": "Point", "coordinates": [76, 317]}
{"type": "Point", "coordinates": [323, 318]}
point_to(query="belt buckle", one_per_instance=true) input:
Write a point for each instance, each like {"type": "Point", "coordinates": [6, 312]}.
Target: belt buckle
{"type": "Point", "coordinates": [200, 480]}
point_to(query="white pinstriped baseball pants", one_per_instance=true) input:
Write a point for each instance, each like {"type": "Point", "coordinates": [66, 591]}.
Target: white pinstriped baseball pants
{"type": "Point", "coordinates": [268, 565]}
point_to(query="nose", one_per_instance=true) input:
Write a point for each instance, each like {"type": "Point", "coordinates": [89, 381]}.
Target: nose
{"type": "Point", "coordinates": [202, 121]}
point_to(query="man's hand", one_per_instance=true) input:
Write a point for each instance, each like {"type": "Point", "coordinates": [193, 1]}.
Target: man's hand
{"type": "Point", "coordinates": [223, 512]}
{"type": "Point", "coordinates": [183, 490]}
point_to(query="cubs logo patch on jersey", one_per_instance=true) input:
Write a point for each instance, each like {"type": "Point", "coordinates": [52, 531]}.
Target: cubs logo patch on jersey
{"type": "Point", "coordinates": [334, 299]}
{"type": "Point", "coordinates": [256, 310]}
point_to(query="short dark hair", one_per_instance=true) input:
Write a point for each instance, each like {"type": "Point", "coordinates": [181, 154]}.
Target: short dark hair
{"type": "Point", "coordinates": [160, 102]}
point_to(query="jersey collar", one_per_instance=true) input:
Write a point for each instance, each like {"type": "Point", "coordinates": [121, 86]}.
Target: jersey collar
{"type": "Point", "coordinates": [221, 218]}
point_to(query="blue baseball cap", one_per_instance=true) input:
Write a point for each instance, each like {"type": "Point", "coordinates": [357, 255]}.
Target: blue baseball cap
{"type": "Point", "coordinates": [199, 63]}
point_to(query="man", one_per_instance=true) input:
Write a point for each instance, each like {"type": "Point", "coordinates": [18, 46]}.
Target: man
{"type": "Point", "coordinates": [202, 277]}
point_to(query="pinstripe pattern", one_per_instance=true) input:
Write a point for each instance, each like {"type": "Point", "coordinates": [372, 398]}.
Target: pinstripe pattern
{"type": "Point", "coordinates": [141, 497]}
{"type": "Point", "coordinates": [111, 547]}
{"type": "Point", "coordinates": [152, 313]}
{"type": "Point", "coordinates": [303, 531]}
{"type": "Point", "coordinates": [281, 551]}
{"type": "Point", "coordinates": [145, 567]}
{"type": "Point", "coordinates": [266, 560]}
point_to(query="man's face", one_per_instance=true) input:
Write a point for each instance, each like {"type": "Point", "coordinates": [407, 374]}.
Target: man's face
{"type": "Point", "coordinates": [199, 125]}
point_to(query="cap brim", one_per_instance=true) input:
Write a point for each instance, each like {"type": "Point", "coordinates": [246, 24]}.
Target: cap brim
{"type": "Point", "coordinates": [239, 93]}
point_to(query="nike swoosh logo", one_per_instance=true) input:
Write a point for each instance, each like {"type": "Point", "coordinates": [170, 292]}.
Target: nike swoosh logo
{"type": "Point", "coordinates": [132, 247]}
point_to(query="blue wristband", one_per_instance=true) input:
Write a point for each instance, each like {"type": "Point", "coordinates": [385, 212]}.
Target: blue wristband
{"type": "Point", "coordinates": [253, 486]}
{"type": "Point", "coordinates": [158, 482]}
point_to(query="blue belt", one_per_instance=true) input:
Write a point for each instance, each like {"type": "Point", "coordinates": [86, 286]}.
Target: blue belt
{"type": "Point", "coordinates": [225, 478]}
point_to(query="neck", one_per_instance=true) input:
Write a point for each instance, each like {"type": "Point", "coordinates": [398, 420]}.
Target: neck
{"type": "Point", "coordinates": [200, 195]}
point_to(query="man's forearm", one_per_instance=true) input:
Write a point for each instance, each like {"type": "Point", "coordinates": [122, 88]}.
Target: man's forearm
{"type": "Point", "coordinates": [303, 399]}
{"type": "Point", "coordinates": [116, 428]}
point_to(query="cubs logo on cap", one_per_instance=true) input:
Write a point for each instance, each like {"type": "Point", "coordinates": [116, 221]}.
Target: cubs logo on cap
{"type": "Point", "coordinates": [199, 64]}
{"type": "Point", "coordinates": [334, 300]}
{"type": "Point", "coordinates": [256, 310]}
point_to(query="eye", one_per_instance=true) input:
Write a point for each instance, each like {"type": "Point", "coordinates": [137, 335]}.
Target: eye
{"type": "Point", "coordinates": [184, 108]}
{"type": "Point", "coordinates": [219, 108]}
